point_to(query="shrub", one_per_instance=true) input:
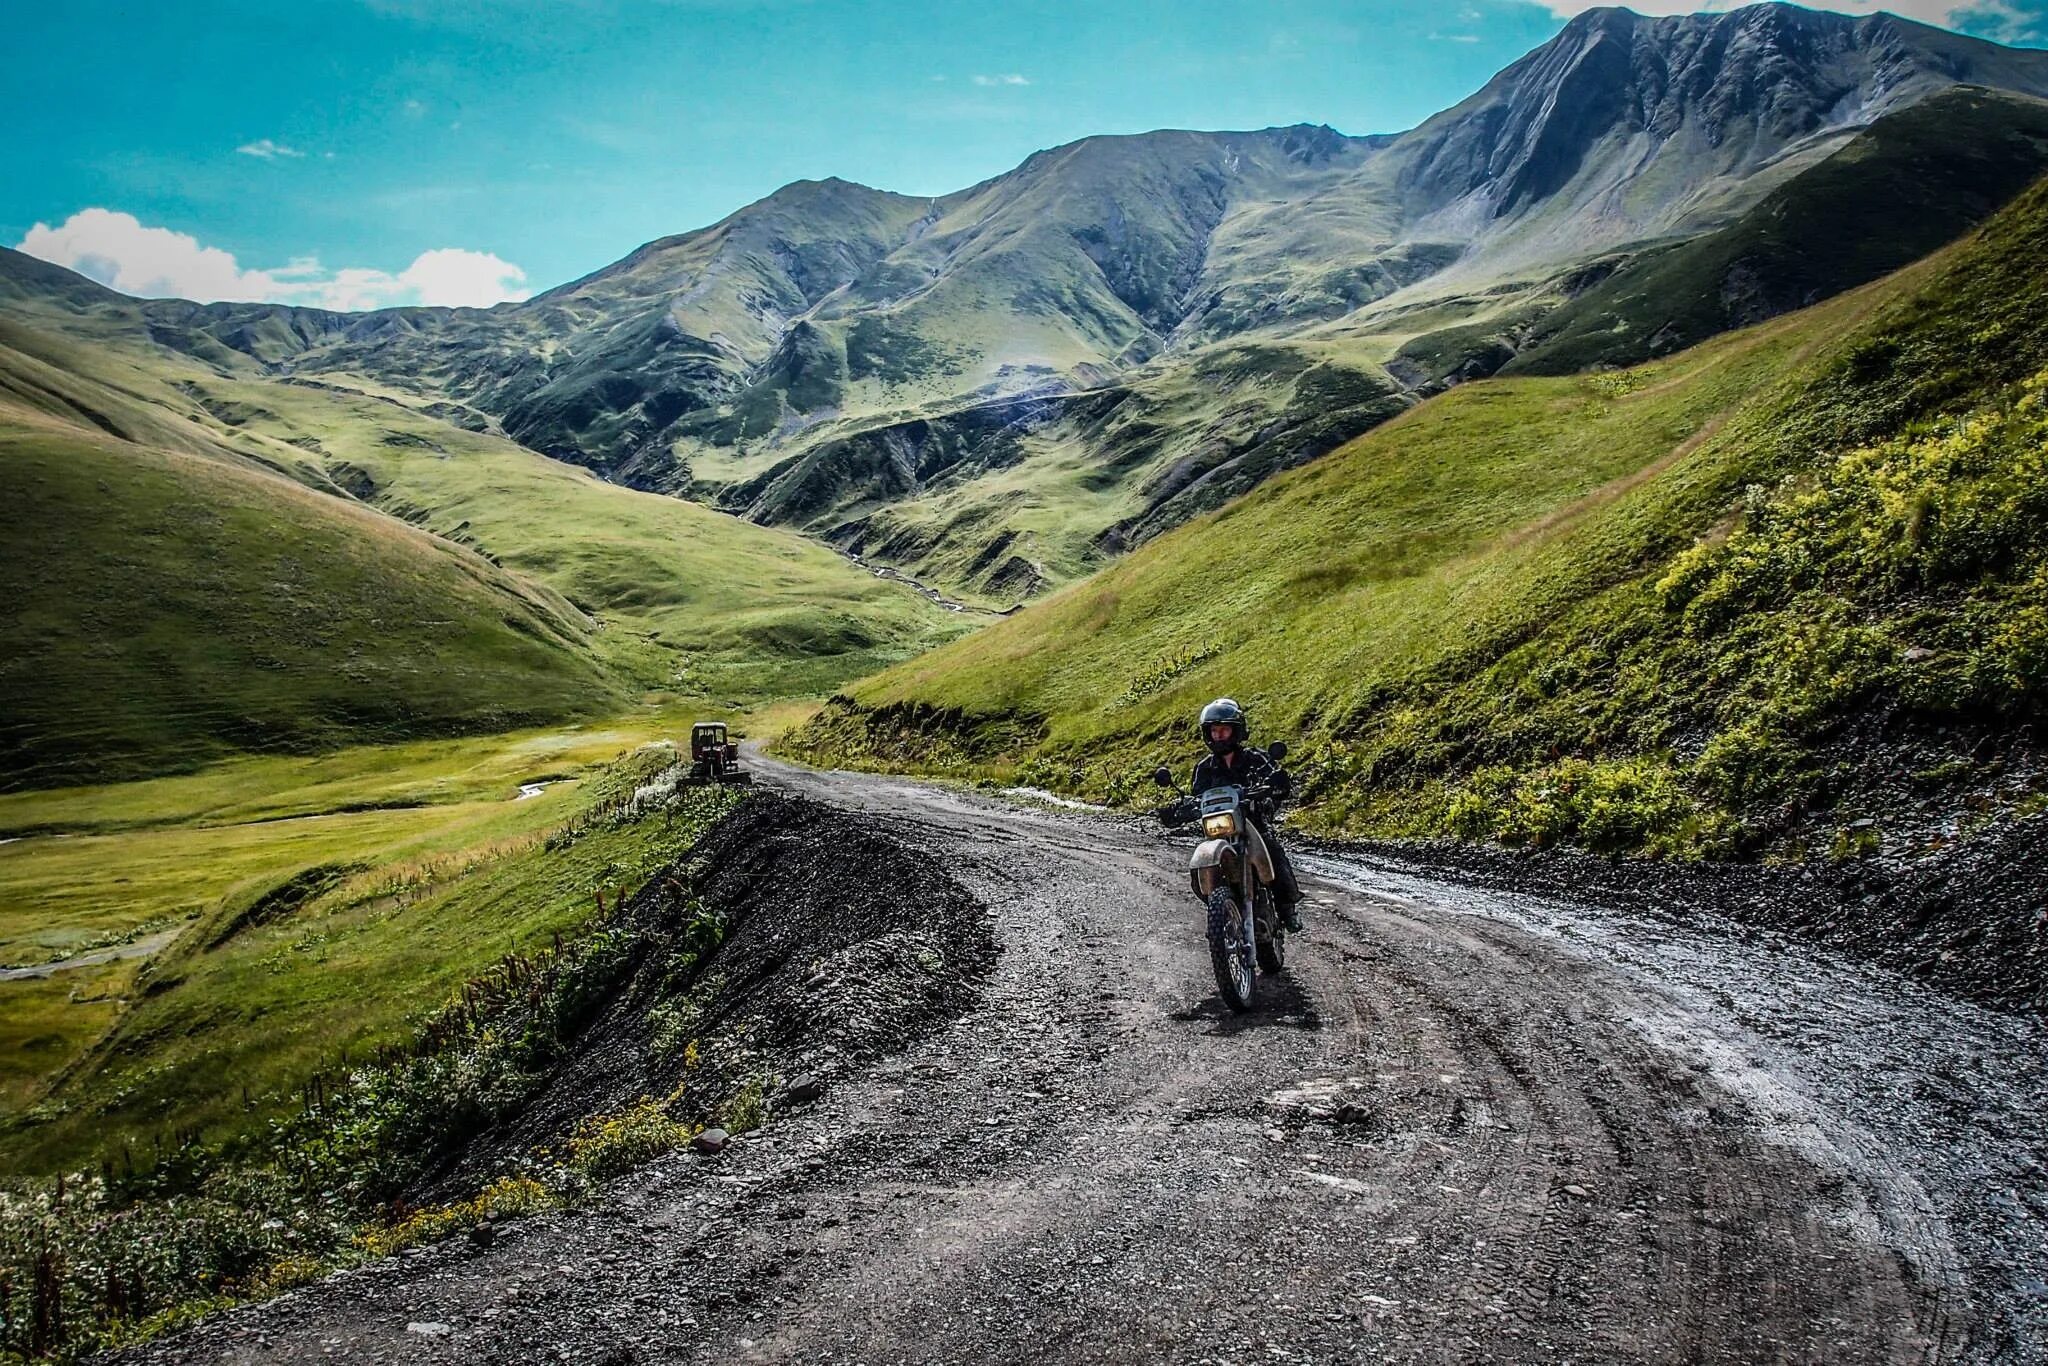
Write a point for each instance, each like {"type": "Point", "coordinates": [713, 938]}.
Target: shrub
{"type": "Point", "coordinates": [1604, 806]}
{"type": "Point", "coordinates": [605, 1146]}
{"type": "Point", "coordinates": [1743, 766]}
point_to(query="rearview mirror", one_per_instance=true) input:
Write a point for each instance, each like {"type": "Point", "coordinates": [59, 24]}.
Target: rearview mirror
{"type": "Point", "coordinates": [1163, 776]}
{"type": "Point", "coordinates": [1277, 751]}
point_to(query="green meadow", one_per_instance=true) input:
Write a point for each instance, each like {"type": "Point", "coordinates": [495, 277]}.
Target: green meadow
{"type": "Point", "coordinates": [287, 914]}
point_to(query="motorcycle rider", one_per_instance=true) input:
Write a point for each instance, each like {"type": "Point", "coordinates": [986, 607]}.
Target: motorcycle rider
{"type": "Point", "coordinates": [1232, 763]}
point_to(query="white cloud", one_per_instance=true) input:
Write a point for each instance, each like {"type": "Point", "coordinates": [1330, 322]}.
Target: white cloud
{"type": "Point", "coordinates": [268, 150]}
{"type": "Point", "coordinates": [2008, 19]}
{"type": "Point", "coordinates": [1454, 37]}
{"type": "Point", "coordinates": [119, 252]}
{"type": "Point", "coordinates": [1012, 79]}
{"type": "Point", "coordinates": [457, 278]}
{"type": "Point", "coordinates": [122, 253]}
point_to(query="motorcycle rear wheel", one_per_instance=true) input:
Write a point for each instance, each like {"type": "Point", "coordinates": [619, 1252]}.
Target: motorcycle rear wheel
{"type": "Point", "coordinates": [1273, 953]}
{"type": "Point", "coordinates": [1234, 976]}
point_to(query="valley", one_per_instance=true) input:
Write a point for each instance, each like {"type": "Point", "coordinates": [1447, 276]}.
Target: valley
{"type": "Point", "coordinates": [609, 595]}
{"type": "Point", "coordinates": [1623, 490]}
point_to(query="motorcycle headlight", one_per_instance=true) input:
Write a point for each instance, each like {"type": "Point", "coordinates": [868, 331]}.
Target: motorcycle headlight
{"type": "Point", "coordinates": [1220, 826]}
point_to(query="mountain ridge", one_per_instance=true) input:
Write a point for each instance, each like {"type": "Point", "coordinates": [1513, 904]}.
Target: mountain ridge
{"type": "Point", "coordinates": [767, 359]}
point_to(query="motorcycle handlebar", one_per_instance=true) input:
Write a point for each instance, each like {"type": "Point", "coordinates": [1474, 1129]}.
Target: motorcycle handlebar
{"type": "Point", "coordinates": [1186, 809]}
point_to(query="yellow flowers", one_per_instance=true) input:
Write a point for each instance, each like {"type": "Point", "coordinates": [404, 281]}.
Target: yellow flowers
{"type": "Point", "coordinates": [507, 1197]}
{"type": "Point", "coordinates": [607, 1145]}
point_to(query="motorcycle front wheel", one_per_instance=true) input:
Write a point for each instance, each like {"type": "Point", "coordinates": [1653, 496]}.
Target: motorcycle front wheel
{"type": "Point", "coordinates": [1234, 977]}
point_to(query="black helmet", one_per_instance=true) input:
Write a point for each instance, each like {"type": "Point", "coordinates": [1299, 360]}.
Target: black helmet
{"type": "Point", "coordinates": [1223, 711]}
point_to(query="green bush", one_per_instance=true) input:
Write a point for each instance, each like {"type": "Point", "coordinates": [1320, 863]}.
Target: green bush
{"type": "Point", "coordinates": [1605, 806]}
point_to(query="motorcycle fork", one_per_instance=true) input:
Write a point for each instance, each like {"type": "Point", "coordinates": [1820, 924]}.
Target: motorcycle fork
{"type": "Point", "coordinates": [1247, 905]}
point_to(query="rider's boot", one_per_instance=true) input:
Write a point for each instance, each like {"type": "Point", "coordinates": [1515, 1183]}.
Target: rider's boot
{"type": "Point", "coordinates": [1290, 916]}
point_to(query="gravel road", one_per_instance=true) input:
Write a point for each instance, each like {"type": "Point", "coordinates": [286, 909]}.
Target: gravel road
{"type": "Point", "coordinates": [1468, 1126]}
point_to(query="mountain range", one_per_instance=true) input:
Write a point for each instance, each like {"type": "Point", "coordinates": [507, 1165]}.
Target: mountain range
{"type": "Point", "coordinates": [1783, 593]}
{"type": "Point", "coordinates": [999, 390]}
{"type": "Point", "coordinates": [1003, 387]}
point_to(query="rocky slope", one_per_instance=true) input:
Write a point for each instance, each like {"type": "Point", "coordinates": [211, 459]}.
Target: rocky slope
{"type": "Point", "coordinates": [1909, 183]}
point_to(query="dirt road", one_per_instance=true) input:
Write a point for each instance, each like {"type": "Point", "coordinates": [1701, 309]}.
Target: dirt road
{"type": "Point", "coordinates": [1467, 1127]}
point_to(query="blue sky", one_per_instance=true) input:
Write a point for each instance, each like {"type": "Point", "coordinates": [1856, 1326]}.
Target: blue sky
{"type": "Point", "coordinates": [360, 152]}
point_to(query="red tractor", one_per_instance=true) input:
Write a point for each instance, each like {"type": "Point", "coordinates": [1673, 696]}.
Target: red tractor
{"type": "Point", "coordinates": [713, 758]}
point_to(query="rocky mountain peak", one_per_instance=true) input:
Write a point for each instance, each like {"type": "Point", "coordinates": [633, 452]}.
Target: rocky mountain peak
{"type": "Point", "coordinates": [1700, 97]}
{"type": "Point", "coordinates": [1312, 144]}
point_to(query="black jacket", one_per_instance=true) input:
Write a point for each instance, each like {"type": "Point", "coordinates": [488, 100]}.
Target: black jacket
{"type": "Point", "coordinates": [1251, 768]}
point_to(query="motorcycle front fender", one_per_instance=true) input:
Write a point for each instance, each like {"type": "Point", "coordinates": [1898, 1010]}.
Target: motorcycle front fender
{"type": "Point", "coordinates": [1214, 861]}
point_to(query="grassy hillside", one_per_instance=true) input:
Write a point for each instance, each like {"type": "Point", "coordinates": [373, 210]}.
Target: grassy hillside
{"type": "Point", "coordinates": [1914, 181]}
{"type": "Point", "coordinates": [1547, 609]}
{"type": "Point", "coordinates": [315, 907]}
{"type": "Point", "coordinates": [203, 562]}
{"type": "Point", "coordinates": [168, 606]}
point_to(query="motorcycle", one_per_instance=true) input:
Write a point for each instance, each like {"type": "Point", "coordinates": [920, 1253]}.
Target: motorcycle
{"type": "Point", "coordinates": [1232, 876]}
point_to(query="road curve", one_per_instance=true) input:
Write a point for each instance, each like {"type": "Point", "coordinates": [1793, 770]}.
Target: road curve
{"type": "Point", "coordinates": [1465, 1127]}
